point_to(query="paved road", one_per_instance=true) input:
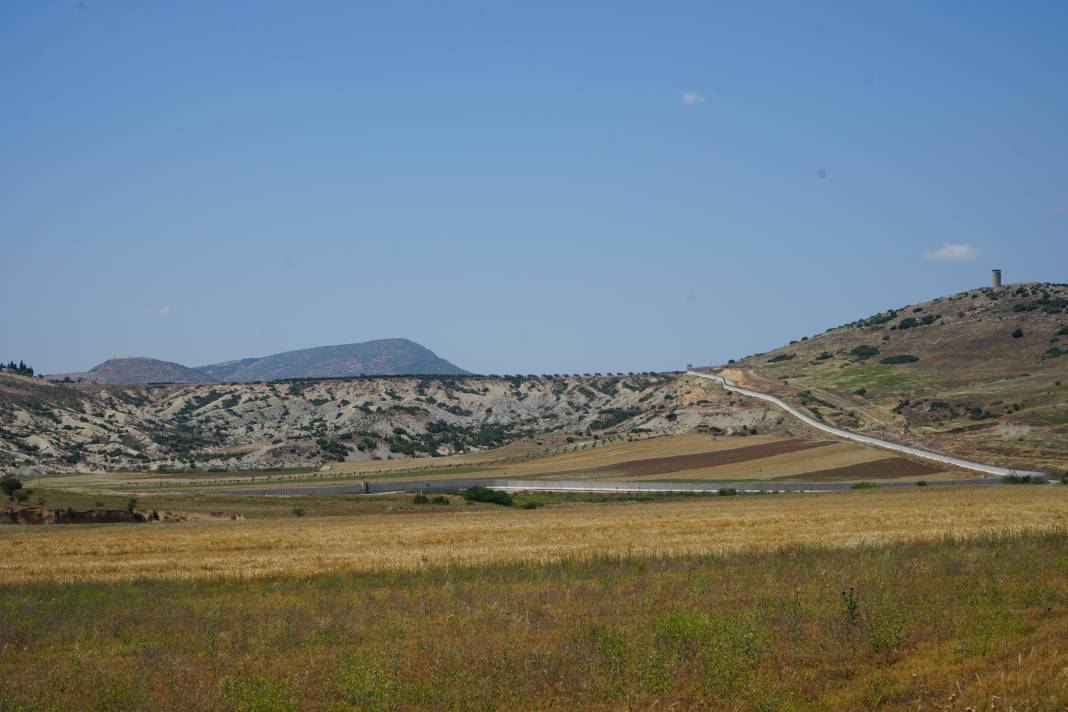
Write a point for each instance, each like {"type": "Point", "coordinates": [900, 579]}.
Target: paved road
{"type": "Point", "coordinates": [865, 439]}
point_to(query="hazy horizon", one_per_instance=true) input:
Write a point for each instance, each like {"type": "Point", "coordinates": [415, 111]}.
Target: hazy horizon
{"type": "Point", "coordinates": [520, 190]}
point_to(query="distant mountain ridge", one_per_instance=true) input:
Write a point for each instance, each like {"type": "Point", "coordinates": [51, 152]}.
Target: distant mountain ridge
{"type": "Point", "coordinates": [369, 358]}
{"type": "Point", "coordinates": [132, 370]}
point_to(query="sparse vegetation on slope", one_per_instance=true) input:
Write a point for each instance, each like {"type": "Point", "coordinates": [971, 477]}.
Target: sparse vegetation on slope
{"type": "Point", "coordinates": [994, 353]}
{"type": "Point", "coordinates": [55, 427]}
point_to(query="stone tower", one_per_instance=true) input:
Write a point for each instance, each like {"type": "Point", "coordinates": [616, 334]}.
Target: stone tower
{"type": "Point", "coordinates": [995, 278]}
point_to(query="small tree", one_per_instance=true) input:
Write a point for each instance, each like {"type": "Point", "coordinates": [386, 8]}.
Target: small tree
{"type": "Point", "coordinates": [10, 484]}
{"type": "Point", "coordinates": [1017, 334]}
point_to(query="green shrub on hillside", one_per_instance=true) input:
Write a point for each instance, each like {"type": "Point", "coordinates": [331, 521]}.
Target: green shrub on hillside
{"type": "Point", "coordinates": [780, 357]}
{"type": "Point", "coordinates": [907, 323]}
{"type": "Point", "coordinates": [1017, 333]}
{"type": "Point", "coordinates": [864, 351]}
{"type": "Point", "coordinates": [879, 318]}
{"type": "Point", "coordinates": [899, 358]}
{"type": "Point", "coordinates": [1063, 331]}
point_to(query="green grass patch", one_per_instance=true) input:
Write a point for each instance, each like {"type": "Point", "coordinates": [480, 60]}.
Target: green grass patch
{"type": "Point", "coordinates": [874, 378]}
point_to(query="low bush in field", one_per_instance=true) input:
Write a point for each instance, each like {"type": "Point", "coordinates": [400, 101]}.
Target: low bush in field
{"type": "Point", "coordinates": [781, 357]}
{"type": "Point", "coordinates": [1022, 480]}
{"type": "Point", "coordinates": [491, 496]}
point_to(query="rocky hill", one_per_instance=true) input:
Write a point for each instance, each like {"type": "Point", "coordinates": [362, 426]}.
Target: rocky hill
{"type": "Point", "coordinates": [370, 358]}
{"type": "Point", "coordinates": [983, 374]}
{"type": "Point", "coordinates": [47, 427]}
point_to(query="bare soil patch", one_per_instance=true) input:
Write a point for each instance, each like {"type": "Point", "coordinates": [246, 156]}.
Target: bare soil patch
{"type": "Point", "coordinates": [889, 469]}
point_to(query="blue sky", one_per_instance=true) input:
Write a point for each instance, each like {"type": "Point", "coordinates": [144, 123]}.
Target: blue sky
{"type": "Point", "coordinates": [521, 187]}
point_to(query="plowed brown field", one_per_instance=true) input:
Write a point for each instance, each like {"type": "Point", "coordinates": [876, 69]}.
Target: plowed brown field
{"type": "Point", "coordinates": [680, 463]}
{"type": "Point", "coordinates": [888, 469]}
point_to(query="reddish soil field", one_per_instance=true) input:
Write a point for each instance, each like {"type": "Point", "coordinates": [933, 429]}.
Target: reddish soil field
{"type": "Point", "coordinates": [890, 468]}
{"type": "Point", "coordinates": [679, 463]}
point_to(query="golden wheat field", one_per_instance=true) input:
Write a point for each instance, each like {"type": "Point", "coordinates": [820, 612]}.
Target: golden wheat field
{"type": "Point", "coordinates": [478, 535]}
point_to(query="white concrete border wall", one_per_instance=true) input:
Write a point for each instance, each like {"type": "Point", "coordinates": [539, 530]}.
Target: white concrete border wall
{"type": "Point", "coordinates": [865, 439]}
{"type": "Point", "coordinates": [459, 485]}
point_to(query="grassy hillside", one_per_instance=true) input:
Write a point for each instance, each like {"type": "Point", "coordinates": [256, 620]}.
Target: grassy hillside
{"type": "Point", "coordinates": [982, 373]}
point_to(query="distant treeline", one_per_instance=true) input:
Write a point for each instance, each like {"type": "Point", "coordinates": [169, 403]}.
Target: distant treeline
{"type": "Point", "coordinates": [467, 376]}
{"type": "Point", "coordinates": [20, 368]}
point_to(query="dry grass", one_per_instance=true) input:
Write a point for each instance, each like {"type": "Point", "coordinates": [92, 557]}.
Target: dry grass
{"type": "Point", "coordinates": [941, 625]}
{"type": "Point", "coordinates": [477, 535]}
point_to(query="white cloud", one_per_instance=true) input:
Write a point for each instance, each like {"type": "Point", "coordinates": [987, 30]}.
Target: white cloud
{"type": "Point", "coordinates": [691, 97]}
{"type": "Point", "coordinates": [157, 311]}
{"type": "Point", "coordinates": [953, 252]}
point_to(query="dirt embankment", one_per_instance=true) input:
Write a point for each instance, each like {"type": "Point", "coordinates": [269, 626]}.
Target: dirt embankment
{"type": "Point", "coordinates": [40, 515]}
